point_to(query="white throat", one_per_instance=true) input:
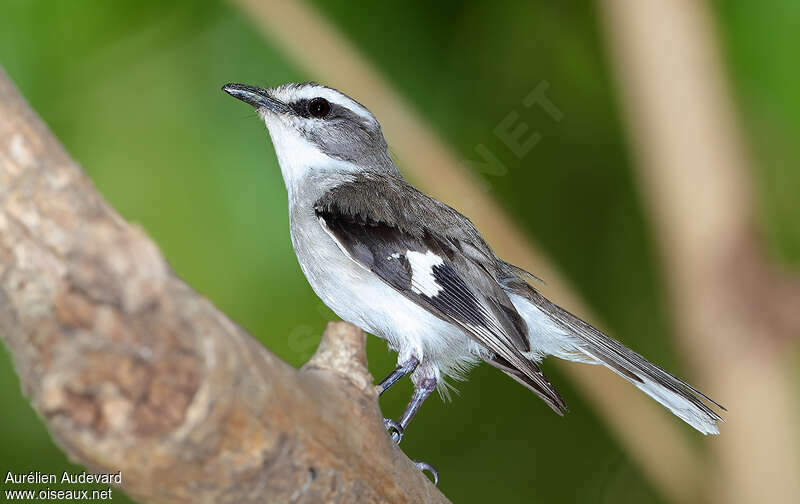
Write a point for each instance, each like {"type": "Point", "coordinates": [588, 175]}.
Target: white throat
{"type": "Point", "coordinates": [298, 157]}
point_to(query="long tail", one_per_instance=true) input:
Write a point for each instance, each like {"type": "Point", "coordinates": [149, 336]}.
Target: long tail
{"type": "Point", "coordinates": [555, 331]}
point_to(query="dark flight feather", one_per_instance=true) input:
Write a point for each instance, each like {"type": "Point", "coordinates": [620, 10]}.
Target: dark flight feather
{"type": "Point", "coordinates": [608, 350]}
{"type": "Point", "coordinates": [379, 219]}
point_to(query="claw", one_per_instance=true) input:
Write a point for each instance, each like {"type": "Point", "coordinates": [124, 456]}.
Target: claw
{"type": "Point", "coordinates": [424, 466]}
{"type": "Point", "coordinates": [395, 429]}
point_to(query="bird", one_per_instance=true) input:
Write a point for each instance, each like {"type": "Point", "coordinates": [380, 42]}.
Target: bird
{"type": "Point", "coordinates": [412, 270]}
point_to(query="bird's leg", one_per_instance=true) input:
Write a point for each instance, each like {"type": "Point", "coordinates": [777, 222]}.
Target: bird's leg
{"type": "Point", "coordinates": [400, 371]}
{"type": "Point", "coordinates": [422, 390]}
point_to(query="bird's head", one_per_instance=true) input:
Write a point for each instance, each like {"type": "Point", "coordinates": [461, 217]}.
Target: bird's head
{"type": "Point", "coordinates": [315, 128]}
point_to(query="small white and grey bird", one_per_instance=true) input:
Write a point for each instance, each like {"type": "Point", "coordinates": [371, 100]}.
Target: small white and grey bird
{"type": "Point", "coordinates": [415, 272]}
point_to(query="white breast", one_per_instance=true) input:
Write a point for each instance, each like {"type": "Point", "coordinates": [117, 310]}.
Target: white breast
{"type": "Point", "coordinates": [359, 296]}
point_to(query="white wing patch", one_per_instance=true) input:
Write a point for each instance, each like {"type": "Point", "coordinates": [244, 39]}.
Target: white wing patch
{"type": "Point", "coordinates": [422, 279]}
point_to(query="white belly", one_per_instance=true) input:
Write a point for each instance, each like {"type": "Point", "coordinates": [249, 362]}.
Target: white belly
{"type": "Point", "coordinates": [360, 297]}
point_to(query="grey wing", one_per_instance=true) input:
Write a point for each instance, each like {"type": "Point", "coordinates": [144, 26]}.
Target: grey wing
{"type": "Point", "coordinates": [431, 271]}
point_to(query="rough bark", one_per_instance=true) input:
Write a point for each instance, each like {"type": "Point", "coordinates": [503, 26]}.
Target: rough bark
{"type": "Point", "coordinates": [132, 370]}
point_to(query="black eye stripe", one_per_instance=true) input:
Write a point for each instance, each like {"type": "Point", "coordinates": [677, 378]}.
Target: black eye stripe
{"type": "Point", "coordinates": [300, 108]}
{"type": "Point", "coordinates": [336, 113]}
{"type": "Point", "coordinates": [303, 107]}
{"type": "Point", "coordinates": [319, 107]}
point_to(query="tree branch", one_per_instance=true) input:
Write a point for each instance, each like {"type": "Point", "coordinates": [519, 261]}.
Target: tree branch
{"type": "Point", "coordinates": [132, 370]}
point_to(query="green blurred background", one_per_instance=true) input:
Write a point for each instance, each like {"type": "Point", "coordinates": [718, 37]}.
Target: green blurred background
{"type": "Point", "coordinates": [131, 88]}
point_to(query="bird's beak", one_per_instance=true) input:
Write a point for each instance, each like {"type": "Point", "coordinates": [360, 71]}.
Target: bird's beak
{"type": "Point", "coordinates": [255, 96]}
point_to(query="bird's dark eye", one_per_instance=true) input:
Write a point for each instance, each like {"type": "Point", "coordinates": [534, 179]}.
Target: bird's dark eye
{"type": "Point", "coordinates": [319, 107]}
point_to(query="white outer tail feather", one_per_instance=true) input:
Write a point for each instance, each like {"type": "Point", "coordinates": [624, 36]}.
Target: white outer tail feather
{"type": "Point", "coordinates": [678, 405]}
{"type": "Point", "coordinates": [549, 338]}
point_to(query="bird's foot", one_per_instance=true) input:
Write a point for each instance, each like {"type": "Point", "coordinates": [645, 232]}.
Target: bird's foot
{"type": "Point", "coordinates": [424, 466]}
{"type": "Point", "coordinates": [395, 430]}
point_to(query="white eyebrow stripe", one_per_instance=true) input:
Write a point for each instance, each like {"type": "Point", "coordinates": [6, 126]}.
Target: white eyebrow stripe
{"type": "Point", "coordinates": [292, 94]}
